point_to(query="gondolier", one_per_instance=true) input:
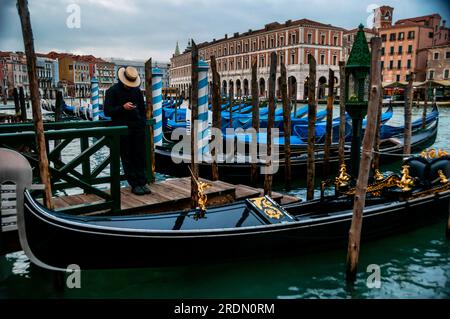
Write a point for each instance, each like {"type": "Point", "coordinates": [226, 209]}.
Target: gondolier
{"type": "Point", "coordinates": [124, 103]}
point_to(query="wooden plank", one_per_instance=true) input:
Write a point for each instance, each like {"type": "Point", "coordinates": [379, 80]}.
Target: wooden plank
{"type": "Point", "coordinates": [9, 228]}
{"type": "Point", "coordinates": [7, 212]}
{"type": "Point", "coordinates": [9, 220]}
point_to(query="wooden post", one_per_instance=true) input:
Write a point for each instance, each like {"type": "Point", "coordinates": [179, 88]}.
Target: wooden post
{"type": "Point", "coordinates": [310, 170]}
{"type": "Point", "coordinates": [270, 122]}
{"type": "Point", "coordinates": [150, 144]}
{"type": "Point", "coordinates": [230, 98]}
{"type": "Point", "coordinates": [16, 101]}
{"type": "Point", "coordinates": [217, 118]}
{"type": "Point", "coordinates": [287, 128]}
{"type": "Point", "coordinates": [329, 125]}
{"type": "Point", "coordinates": [58, 117]}
{"type": "Point", "coordinates": [194, 129]}
{"type": "Point", "coordinates": [27, 33]}
{"type": "Point", "coordinates": [23, 108]}
{"type": "Point", "coordinates": [408, 116]}
{"type": "Point", "coordinates": [376, 147]}
{"type": "Point", "coordinates": [425, 106]}
{"type": "Point", "coordinates": [342, 113]}
{"type": "Point", "coordinates": [366, 158]}
{"type": "Point", "coordinates": [255, 115]}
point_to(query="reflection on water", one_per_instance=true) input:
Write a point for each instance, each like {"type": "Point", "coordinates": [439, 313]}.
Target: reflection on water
{"type": "Point", "coordinates": [413, 265]}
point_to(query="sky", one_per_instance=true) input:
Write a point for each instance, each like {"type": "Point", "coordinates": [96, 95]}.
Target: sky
{"type": "Point", "coordinates": [140, 29]}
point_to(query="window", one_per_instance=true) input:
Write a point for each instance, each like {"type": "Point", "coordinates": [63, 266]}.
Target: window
{"type": "Point", "coordinates": [246, 47]}
{"type": "Point", "coordinates": [408, 64]}
{"type": "Point", "coordinates": [224, 51]}
{"type": "Point", "coordinates": [447, 55]}
{"type": "Point", "coordinates": [246, 64]}
{"type": "Point", "coordinates": [281, 41]}
{"type": "Point", "coordinates": [254, 46]}
{"type": "Point", "coordinates": [293, 38]}
{"type": "Point", "coordinates": [391, 52]}
{"type": "Point", "coordinates": [436, 56]}
{"type": "Point", "coordinates": [392, 37]}
{"type": "Point", "coordinates": [349, 38]}
{"type": "Point", "coordinates": [231, 50]}
{"type": "Point", "coordinates": [261, 62]}
{"type": "Point", "coordinates": [281, 58]}
{"type": "Point", "coordinates": [397, 78]}
{"type": "Point", "coordinates": [411, 35]}
{"type": "Point", "coordinates": [307, 57]}
{"type": "Point", "coordinates": [238, 49]}
{"type": "Point", "coordinates": [407, 77]}
{"type": "Point", "coordinates": [401, 36]}
{"type": "Point", "coordinates": [334, 60]}
{"type": "Point", "coordinates": [399, 64]}
{"type": "Point", "coordinates": [382, 65]}
{"type": "Point", "coordinates": [400, 49]}
{"type": "Point", "coordinates": [292, 58]}
{"type": "Point", "coordinates": [239, 64]}
{"type": "Point", "coordinates": [391, 65]}
{"type": "Point", "coordinates": [431, 75]}
{"type": "Point", "coordinates": [322, 39]}
{"type": "Point", "coordinates": [430, 35]}
{"type": "Point", "coordinates": [335, 40]}
{"type": "Point", "coordinates": [263, 45]}
{"type": "Point", "coordinates": [409, 48]}
{"type": "Point", "coordinates": [70, 67]}
{"type": "Point", "coordinates": [383, 51]}
{"type": "Point", "coordinates": [446, 72]}
{"type": "Point", "coordinates": [322, 59]}
{"type": "Point", "coordinates": [309, 38]}
{"type": "Point", "coordinates": [272, 42]}
{"type": "Point", "coordinates": [383, 37]}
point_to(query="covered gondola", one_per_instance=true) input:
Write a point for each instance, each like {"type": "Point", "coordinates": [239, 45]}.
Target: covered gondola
{"type": "Point", "coordinates": [255, 227]}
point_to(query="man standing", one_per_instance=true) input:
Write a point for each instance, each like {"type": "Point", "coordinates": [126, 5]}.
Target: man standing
{"type": "Point", "coordinates": [124, 103]}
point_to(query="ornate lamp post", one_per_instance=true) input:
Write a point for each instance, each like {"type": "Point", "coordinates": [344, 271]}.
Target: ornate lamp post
{"type": "Point", "coordinates": [357, 90]}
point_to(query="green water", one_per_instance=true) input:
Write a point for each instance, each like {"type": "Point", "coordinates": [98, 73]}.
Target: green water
{"type": "Point", "coordinates": [413, 265]}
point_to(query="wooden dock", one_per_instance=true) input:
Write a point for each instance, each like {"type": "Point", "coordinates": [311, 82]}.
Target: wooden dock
{"type": "Point", "coordinates": [172, 194]}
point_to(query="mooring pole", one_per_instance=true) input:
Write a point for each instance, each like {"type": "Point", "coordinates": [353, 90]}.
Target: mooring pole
{"type": "Point", "coordinates": [310, 167]}
{"type": "Point", "coordinates": [376, 147]}
{"type": "Point", "coordinates": [255, 118]}
{"type": "Point", "coordinates": [270, 123]}
{"type": "Point", "coordinates": [342, 119]}
{"type": "Point", "coordinates": [16, 102]}
{"type": "Point", "coordinates": [425, 105]}
{"type": "Point", "coordinates": [23, 107]}
{"type": "Point", "coordinates": [230, 98]}
{"type": "Point", "coordinates": [287, 128]}
{"type": "Point", "coordinates": [217, 118]}
{"type": "Point", "coordinates": [194, 128]}
{"type": "Point", "coordinates": [149, 132]}
{"type": "Point", "coordinates": [364, 167]}
{"type": "Point", "coordinates": [27, 33]}
{"type": "Point", "coordinates": [95, 98]}
{"type": "Point", "coordinates": [408, 116]}
{"type": "Point", "coordinates": [329, 125]}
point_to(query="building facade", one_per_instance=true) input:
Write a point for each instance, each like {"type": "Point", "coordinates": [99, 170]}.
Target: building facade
{"type": "Point", "coordinates": [292, 41]}
{"type": "Point", "coordinates": [75, 75]}
{"type": "Point", "coordinates": [438, 66]}
{"type": "Point", "coordinates": [48, 75]}
{"type": "Point", "coordinates": [405, 43]}
{"type": "Point", "coordinates": [14, 72]}
{"type": "Point", "coordinates": [139, 65]}
{"type": "Point", "coordinates": [349, 39]}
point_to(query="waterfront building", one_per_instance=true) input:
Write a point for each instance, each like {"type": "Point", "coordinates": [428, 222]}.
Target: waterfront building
{"type": "Point", "coordinates": [405, 43]}
{"type": "Point", "coordinates": [292, 41]}
{"type": "Point", "coordinates": [349, 39]}
{"type": "Point", "coordinates": [139, 65]}
{"type": "Point", "coordinates": [438, 66]}
{"type": "Point", "coordinates": [48, 75]}
{"type": "Point", "coordinates": [14, 72]}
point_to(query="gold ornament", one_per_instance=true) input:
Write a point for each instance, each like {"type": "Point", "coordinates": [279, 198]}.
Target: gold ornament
{"type": "Point", "coordinates": [407, 181]}
{"type": "Point", "coordinates": [343, 179]}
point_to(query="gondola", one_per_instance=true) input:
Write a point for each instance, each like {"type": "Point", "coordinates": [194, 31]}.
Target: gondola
{"type": "Point", "coordinates": [255, 227]}
{"type": "Point", "coordinates": [239, 170]}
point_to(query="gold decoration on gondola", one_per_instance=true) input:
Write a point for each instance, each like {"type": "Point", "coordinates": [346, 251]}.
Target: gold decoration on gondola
{"type": "Point", "coordinates": [202, 198]}
{"type": "Point", "coordinates": [267, 207]}
{"type": "Point", "coordinates": [406, 182]}
{"type": "Point", "coordinates": [378, 176]}
{"type": "Point", "coordinates": [442, 177]}
{"type": "Point", "coordinates": [432, 153]}
{"type": "Point", "coordinates": [377, 188]}
{"type": "Point", "coordinates": [343, 179]}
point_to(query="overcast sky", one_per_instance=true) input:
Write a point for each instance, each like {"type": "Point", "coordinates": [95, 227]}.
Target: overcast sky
{"type": "Point", "coordinates": [139, 29]}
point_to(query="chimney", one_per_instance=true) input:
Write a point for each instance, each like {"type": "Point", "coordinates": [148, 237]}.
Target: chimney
{"type": "Point", "coordinates": [236, 35]}
{"type": "Point", "coordinates": [443, 23]}
{"type": "Point", "coordinates": [249, 30]}
{"type": "Point", "coordinates": [288, 22]}
{"type": "Point", "coordinates": [214, 40]}
{"type": "Point", "coordinates": [226, 36]}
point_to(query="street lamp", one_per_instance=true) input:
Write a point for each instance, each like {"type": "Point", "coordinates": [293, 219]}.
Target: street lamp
{"type": "Point", "coordinates": [357, 91]}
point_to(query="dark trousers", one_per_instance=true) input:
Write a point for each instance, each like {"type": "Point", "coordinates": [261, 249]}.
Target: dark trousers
{"type": "Point", "coordinates": [132, 153]}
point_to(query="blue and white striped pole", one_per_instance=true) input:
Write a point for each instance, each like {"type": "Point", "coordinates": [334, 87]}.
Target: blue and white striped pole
{"type": "Point", "coordinates": [203, 127]}
{"type": "Point", "coordinates": [157, 105]}
{"type": "Point", "coordinates": [94, 99]}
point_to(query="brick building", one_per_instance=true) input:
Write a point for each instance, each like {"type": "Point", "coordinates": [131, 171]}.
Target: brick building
{"type": "Point", "coordinates": [293, 41]}
{"type": "Point", "coordinates": [438, 66]}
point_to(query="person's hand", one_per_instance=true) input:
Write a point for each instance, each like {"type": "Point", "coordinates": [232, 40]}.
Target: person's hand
{"type": "Point", "coordinates": [129, 106]}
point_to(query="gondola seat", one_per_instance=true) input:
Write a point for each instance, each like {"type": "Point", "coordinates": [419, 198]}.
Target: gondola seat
{"type": "Point", "coordinates": [436, 165]}
{"type": "Point", "coordinates": [419, 169]}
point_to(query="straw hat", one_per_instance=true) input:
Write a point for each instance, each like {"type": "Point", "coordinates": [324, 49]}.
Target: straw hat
{"type": "Point", "coordinates": [129, 76]}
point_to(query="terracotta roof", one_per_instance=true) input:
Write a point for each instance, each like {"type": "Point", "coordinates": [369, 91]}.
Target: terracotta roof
{"type": "Point", "coordinates": [367, 30]}
{"type": "Point", "coordinates": [417, 19]}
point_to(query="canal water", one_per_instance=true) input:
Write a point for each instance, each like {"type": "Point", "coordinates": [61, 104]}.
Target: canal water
{"type": "Point", "coordinates": [413, 265]}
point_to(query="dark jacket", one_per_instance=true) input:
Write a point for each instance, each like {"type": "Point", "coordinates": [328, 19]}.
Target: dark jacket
{"type": "Point", "coordinates": [116, 96]}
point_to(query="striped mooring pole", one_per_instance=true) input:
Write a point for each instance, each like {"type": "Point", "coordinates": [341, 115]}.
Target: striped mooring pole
{"type": "Point", "coordinates": [203, 127]}
{"type": "Point", "coordinates": [157, 105]}
{"type": "Point", "coordinates": [94, 99]}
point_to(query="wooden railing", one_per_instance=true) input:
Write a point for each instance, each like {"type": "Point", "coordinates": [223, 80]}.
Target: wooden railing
{"type": "Point", "coordinates": [92, 136]}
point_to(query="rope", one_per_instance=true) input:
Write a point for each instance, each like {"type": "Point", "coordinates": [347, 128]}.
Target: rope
{"type": "Point", "coordinates": [392, 154]}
